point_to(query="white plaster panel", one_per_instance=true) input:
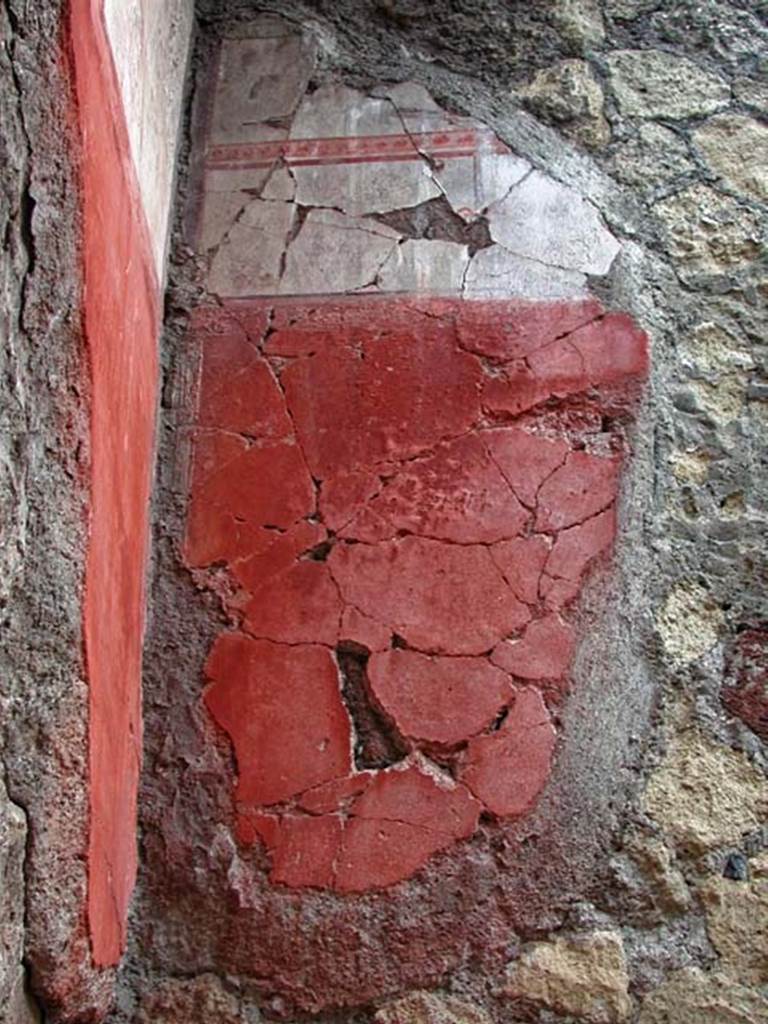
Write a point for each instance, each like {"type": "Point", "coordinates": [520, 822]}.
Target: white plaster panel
{"type": "Point", "coordinates": [336, 253]}
{"type": "Point", "coordinates": [150, 45]}
{"type": "Point", "coordinates": [496, 272]}
{"type": "Point", "coordinates": [424, 265]}
{"type": "Point", "coordinates": [546, 221]}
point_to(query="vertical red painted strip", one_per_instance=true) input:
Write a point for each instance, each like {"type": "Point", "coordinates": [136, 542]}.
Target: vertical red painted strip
{"type": "Point", "coordinates": [121, 324]}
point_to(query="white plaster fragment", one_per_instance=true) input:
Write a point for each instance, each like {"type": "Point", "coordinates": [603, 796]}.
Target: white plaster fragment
{"type": "Point", "coordinates": [251, 178]}
{"type": "Point", "coordinates": [425, 265]}
{"type": "Point", "coordinates": [280, 185]}
{"type": "Point", "coordinates": [359, 183]}
{"type": "Point", "coordinates": [417, 111]}
{"type": "Point", "coordinates": [336, 111]}
{"type": "Point", "coordinates": [472, 183]}
{"type": "Point", "coordinates": [220, 210]}
{"type": "Point", "coordinates": [544, 220]}
{"type": "Point", "coordinates": [335, 253]}
{"type": "Point", "coordinates": [260, 83]}
{"type": "Point", "coordinates": [248, 262]}
{"type": "Point", "coordinates": [496, 272]}
{"type": "Point", "coordinates": [363, 188]}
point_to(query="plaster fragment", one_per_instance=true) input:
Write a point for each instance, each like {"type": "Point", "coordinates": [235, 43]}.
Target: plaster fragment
{"type": "Point", "coordinates": [249, 260]}
{"type": "Point", "coordinates": [424, 265]}
{"type": "Point", "coordinates": [542, 220]}
{"type": "Point", "coordinates": [442, 598]}
{"type": "Point", "coordinates": [457, 494]}
{"type": "Point", "coordinates": [282, 709]}
{"type": "Point", "coordinates": [440, 700]}
{"type": "Point", "coordinates": [259, 84]}
{"type": "Point", "coordinates": [473, 183]}
{"type": "Point", "coordinates": [507, 769]}
{"type": "Point", "coordinates": [498, 272]}
{"type": "Point", "coordinates": [335, 253]}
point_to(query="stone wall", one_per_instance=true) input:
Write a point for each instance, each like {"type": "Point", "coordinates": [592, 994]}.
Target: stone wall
{"type": "Point", "coordinates": [650, 906]}
{"type": "Point", "coordinates": [643, 902]}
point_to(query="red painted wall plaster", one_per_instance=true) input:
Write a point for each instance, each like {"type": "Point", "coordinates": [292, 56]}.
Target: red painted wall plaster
{"type": "Point", "coordinates": [121, 325]}
{"type": "Point", "coordinates": [421, 485]}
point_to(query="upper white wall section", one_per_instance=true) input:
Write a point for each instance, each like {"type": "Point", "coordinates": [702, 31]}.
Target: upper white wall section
{"type": "Point", "coordinates": [150, 44]}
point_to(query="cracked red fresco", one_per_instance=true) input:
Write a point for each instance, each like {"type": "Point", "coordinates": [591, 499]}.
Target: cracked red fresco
{"type": "Point", "coordinates": [407, 496]}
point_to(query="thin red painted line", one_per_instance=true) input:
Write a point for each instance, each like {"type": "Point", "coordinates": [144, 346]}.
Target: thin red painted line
{"type": "Point", "coordinates": [381, 159]}
{"type": "Point", "coordinates": [357, 149]}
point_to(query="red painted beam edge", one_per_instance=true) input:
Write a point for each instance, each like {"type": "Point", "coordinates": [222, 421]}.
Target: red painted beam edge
{"type": "Point", "coordinates": [121, 325]}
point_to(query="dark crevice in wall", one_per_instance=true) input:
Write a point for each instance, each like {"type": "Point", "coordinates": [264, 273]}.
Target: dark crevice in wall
{"type": "Point", "coordinates": [435, 219]}
{"type": "Point", "coordinates": [377, 744]}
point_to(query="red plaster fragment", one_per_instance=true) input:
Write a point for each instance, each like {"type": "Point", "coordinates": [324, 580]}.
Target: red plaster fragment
{"type": "Point", "coordinates": [457, 494]}
{"type": "Point", "coordinates": [508, 769]}
{"type": "Point", "coordinates": [377, 854]}
{"type": "Point", "coordinates": [544, 652]}
{"type": "Point", "coordinates": [415, 795]}
{"type": "Point", "coordinates": [121, 315]}
{"type": "Point", "coordinates": [340, 496]}
{"type": "Point", "coordinates": [745, 689]}
{"type": "Point", "coordinates": [438, 700]}
{"type": "Point", "coordinates": [273, 553]}
{"type": "Point", "coordinates": [301, 605]}
{"type": "Point", "coordinates": [584, 485]}
{"type": "Point", "coordinates": [577, 546]}
{"type": "Point", "coordinates": [252, 826]}
{"type": "Point", "coordinates": [370, 399]}
{"type": "Point", "coordinates": [238, 488]}
{"type": "Point", "coordinates": [521, 562]}
{"type": "Point", "coordinates": [402, 819]}
{"type": "Point", "coordinates": [332, 796]}
{"type": "Point", "coordinates": [363, 630]}
{"type": "Point", "coordinates": [283, 711]}
{"type": "Point", "coordinates": [612, 349]}
{"type": "Point", "coordinates": [605, 352]}
{"type": "Point", "coordinates": [514, 389]}
{"type": "Point", "coordinates": [507, 330]}
{"type": "Point", "coordinates": [442, 598]}
{"type": "Point", "coordinates": [557, 593]}
{"type": "Point", "coordinates": [525, 459]}
{"type": "Point", "coordinates": [238, 391]}
{"type": "Point", "coordinates": [428, 518]}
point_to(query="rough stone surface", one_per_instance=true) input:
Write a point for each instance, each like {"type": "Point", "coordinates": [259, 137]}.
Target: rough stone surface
{"type": "Point", "coordinates": [580, 22]}
{"type": "Point", "coordinates": [707, 231]}
{"type": "Point", "coordinates": [689, 623]}
{"type": "Point", "coordinates": [43, 491]}
{"type": "Point", "coordinates": [735, 148]}
{"type": "Point", "coordinates": [654, 158]}
{"type": "Point", "coordinates": [737, 922]}
{"type": "Point", "coordinates": [705, 795]}
{"type": "Point", "coordinates": [200, 1000]}
{"type": "Point", "coordinates": [430, 1008]}
{"type": "Point", "coordinates": [657, 861]}
{"type": "Point", "coordinates": [654, 83]}
{"type": "Point", "coordinates": [692, 996]}
{"type": "Point", "coordinates": [584, 975]}
{"type": "Point", "coordinates": [13, 834]}
{"type": "Point", "coordinates": [569, 96]}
